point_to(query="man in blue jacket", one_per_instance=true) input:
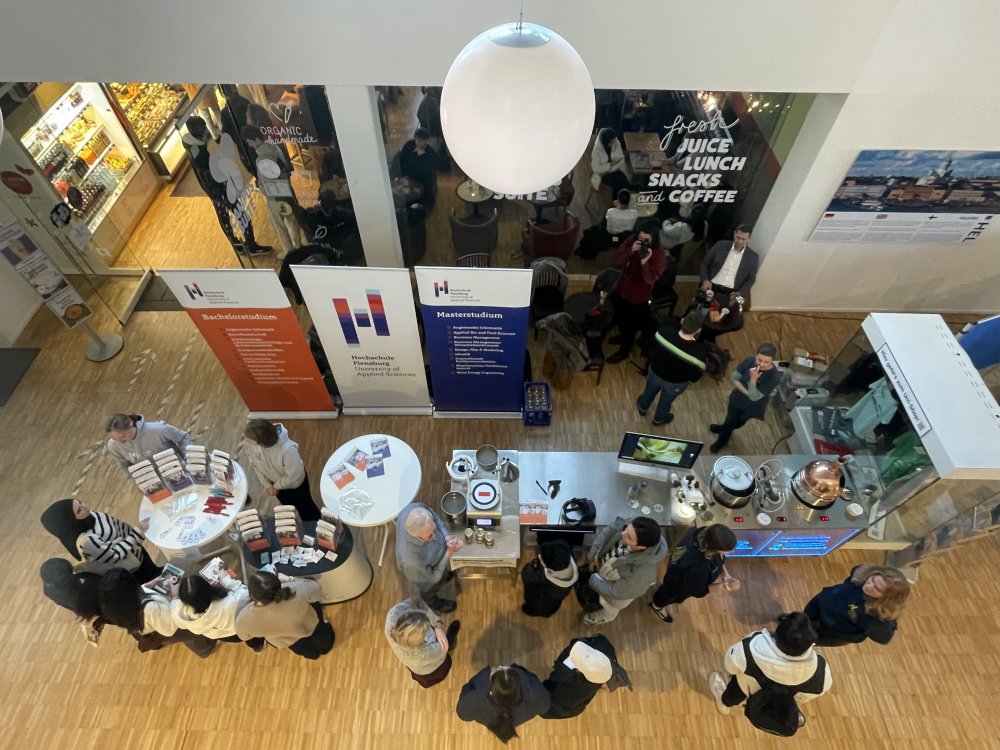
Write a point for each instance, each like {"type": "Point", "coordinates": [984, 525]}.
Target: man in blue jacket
{"type": "Point", "coordinates": [423, 554]}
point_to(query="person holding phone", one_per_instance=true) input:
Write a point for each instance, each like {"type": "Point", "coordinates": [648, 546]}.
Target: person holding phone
{"type": "Point", "coordinates": [753, 381]}
{"type": "Point", "coordinates": [642, 261]}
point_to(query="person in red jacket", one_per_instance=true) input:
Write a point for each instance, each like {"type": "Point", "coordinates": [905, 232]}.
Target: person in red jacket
{"type": "Point", "coordinates": [642, 261]}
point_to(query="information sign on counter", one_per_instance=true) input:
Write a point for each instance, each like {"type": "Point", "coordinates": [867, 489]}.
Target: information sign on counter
{"type": "Point", "coordinates": [245, 318]}
{"type": "Point", "coordinates": [476, 324]}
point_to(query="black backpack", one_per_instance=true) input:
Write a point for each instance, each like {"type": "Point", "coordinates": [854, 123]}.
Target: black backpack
{"type": "Point", "coordinates": [773, 708]}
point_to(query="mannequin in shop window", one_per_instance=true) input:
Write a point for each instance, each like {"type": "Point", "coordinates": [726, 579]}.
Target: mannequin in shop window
{"type": "Point", "coordinates": [274, 173]}
{"type": "Point", "coordinates": [199, 146]}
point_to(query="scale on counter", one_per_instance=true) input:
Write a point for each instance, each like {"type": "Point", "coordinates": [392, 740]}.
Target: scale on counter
{"type": "Point", "coordinates": [484, 500]}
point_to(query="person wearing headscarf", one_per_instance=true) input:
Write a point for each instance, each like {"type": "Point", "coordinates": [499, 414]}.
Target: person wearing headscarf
{"type": "Point", "coordinates": [99, 541]}
{"type": "Point", "coordinates": [74, 591]}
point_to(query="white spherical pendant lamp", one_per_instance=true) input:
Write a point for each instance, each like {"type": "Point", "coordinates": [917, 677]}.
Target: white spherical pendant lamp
{"type": "Point", "coordinates": [517, 108]}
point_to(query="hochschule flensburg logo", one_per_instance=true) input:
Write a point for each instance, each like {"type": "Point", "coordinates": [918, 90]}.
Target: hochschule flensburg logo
{"type": "Point", "coordinates": [440, 287]}
{"type": "Point", "coordinates": [353, 319]}
{"type": "Point", "coordinates": [193, 290]}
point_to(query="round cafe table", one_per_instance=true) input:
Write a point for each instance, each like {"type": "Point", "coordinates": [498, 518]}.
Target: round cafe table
{"type": "Point", "coordinates": [464, 191]}
{"type": "Point", "coordinates": [383, 495]}
{"type": "Point", "coordinates": [178, 524]}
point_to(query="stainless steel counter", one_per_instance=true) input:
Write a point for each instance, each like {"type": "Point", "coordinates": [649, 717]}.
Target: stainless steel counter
{"type": "Point", "coordinates": [506, 552]}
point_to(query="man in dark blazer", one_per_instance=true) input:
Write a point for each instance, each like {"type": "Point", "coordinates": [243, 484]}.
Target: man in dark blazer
{"type": "Point", "coordinates": [730, 267]}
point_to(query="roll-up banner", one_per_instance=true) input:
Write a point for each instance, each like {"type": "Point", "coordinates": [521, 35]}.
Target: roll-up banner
{"type": "Point", "coordinates": [476, 325]}
{"type": "Point", "coordinates": [245, 317]}
{"type": "Point", "coordinates": [367, 324]}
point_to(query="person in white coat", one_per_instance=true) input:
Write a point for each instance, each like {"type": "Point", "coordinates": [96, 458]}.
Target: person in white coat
{"type": "Point", "coordinates": [783, 655]}
{"type": "Point", "coordinates": [274, 458]}
{"type": "Point", "coordinates": [209, 610]}
{"type": "Point", "coordinates": [131, 438]}
{"type": "Point", "coordinates": [607, 162]}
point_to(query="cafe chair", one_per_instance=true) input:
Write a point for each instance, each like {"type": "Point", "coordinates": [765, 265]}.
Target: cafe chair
{"type": "Point", "coordinates": [473, 234]}
{"type": "Point", "coordinates": [555, 240]}
{"type": "Point", "coordinates": [474, 260]}
{"type": "Point", "coordinates": [565, 197]}
{"type": "Point", "coordinates": [664, 297]}
{"type": "Point", "coordinates": [548, 288]}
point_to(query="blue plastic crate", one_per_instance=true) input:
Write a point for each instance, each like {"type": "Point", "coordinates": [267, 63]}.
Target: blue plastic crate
{"type": "Point", "coordinates": [537, 404]}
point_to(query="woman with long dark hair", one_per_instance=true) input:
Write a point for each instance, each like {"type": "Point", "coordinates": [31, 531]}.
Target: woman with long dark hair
{"type": "Point", "coordinates": [99, 541]}
{"type": "Point", "coordinates": [503, 698]}
{"type": "Point", "coordinates": [74, 591]}
{"type": "Point", "coordinates": [210, 610]}
{"type": "Point", "coordinates": [866, 605]}
{"type": "Point", "coordinates": [145, 614]}
{"type": "Point", "coordinates": [694, 566]}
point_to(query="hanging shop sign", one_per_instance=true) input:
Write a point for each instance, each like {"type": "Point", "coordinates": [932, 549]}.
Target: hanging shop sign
{"type": "Point", "coordinates": [245, 318]}
{"type": "Point", "coordinates": [34, 266]}
{"type": "Point", "coordinates": [367, 324]}
{"type": "Point", "coordinates": [914, 197]}
{"type": "Point", "coordinates": [475, 323]}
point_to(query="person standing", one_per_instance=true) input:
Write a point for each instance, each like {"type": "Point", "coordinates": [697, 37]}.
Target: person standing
{"type": "Point", "coordinates": [100, 541]}
{"type": "Point", "coordinates": [423, 555]}
{"type": "Point", "coordinates": [695, 565]}
{"type": "Point", "coordinates": [753, 381]}
{"type": "Point", "coordinates": [548, 579]}
{"type": "Point", "coordinates": [131, 438]}
{"type": "Point", "coordinates": [417, 638]}
{"type": "Point", "coordinates": [676, 359]}
{"type": "Point", "coordinates": [782, 656]}
{"type": "Point", "coordinates": [864, 606]}
{"type": "Point", "coordinates": [579, 672]}
{"type": "Point", "coordinates": [76, 592]}
{"type": "Point", "coordinates": [623, 562]}
{"type": "Point", "coordinates": [287, 613]}
{"type": "Point", "coordinates": [642, 261]}
{"type": "Point", "coordinates": [211, 610]}
{"type": "Point", "coordinates": [274, 172]}
{"type": "Point", "coordinates": [418, 161]}
{"type": "Point", "coordinates": [274, 458]}
{"type": "Point", "coordinates": [501, 699]}
{"type": "Point", "coordinates": [730, 267]}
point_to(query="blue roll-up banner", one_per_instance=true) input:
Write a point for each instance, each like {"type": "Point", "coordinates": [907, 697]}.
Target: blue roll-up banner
{"type": "Point", "coordinates": [476, 325]}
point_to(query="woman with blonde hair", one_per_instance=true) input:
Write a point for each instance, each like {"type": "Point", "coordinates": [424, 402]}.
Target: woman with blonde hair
{"type": "Point", "coordinates": [415, 635]}
{"type": "Point", "coordinates": [866, 605]}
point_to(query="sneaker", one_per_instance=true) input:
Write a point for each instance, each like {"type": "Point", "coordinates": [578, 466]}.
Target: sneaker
{"type": "Point", "coordinates": [717, 446]}
{"type": "Point", "coordinates": [261, 250]}
{"type": "Point", "coordinates": [617, 357]}
{"type": "Point", "coordinates": [638, 405]}
{"type": "Point", "coordinates": [717, 686]}
{"type": "Point", "coordinates": [668, 420]}
{"type": "Point", "coordinates": [596, 618]}
{"type": "Point", "coordinates": [452, 633]}
{"type": "Point", "coordinates": [661, 612]}
{"type": "Point", "coordinates": [716, 428]}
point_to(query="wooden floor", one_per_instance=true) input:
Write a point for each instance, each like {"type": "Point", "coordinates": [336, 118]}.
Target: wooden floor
{"type": "Point", "coordinates": [935, 686]}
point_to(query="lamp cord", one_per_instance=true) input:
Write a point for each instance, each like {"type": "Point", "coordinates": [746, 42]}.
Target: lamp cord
{"type": "Point", "coordinates": [520, 17]}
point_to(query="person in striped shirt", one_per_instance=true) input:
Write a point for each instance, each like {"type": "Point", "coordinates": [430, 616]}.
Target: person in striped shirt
{"type": "Point", "coordinates": [100, 541]}
{"type": "Point", "coordinates": [676, 359]}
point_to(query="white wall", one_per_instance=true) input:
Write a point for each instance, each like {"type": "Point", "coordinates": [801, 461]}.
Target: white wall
{"type": "Point", "coordinates": [18, 301]}
{"type": "Point", "coordinates": [914, 74]}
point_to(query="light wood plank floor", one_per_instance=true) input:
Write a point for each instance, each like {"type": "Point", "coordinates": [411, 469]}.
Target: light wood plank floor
{"type": "Point", "coordinates": [933, 687]}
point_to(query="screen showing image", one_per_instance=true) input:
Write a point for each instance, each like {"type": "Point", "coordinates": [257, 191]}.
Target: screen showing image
{"type": "Point", "coordinates": [659, 451]}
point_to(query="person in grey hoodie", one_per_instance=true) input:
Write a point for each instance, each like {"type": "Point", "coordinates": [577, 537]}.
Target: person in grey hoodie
{"type": "Point", "coordinates": [423, 554]}
{"type": "Point", "coordinates": [131, 438]}
{"type": "Point", "coordinates": [274, 458]}
{"type": "Point", "coordinates": [623, 562]}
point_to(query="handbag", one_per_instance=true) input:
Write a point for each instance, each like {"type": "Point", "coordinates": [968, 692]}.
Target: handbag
{"type": "Point", "coordinates": [590, 600]}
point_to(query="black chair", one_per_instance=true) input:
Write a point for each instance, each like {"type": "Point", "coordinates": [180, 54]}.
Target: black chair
{"type": "Point", "coordinates": [473, 234]}
{"type": "Point", "coordinates": [474, 260]}
{"type": "Point", "coordinates": [548, 288]}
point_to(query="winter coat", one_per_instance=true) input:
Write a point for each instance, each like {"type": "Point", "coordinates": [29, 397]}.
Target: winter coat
{"type": "Point", "coordinates": [565, 342]}
{"type": "Point", "coordinates": [280, 465]}
{"type": "Point", "coordinates": [630, 575]}
{"type": "Point", "coordinates": [601, 163]}
{"type": "Point", "coordinates": [219, 620]}
{"type": "Point", "coordinates": [150, 438]}
{"type": "Point", "coordinates": [544, 589]}
{"type": "Point", "coordinates": [775, 664]}
{"type": "Point", "coordinates": [569, 690]}
{"type": "Point", "coordinates": [285, 622]}
{"type": "Point", "coordinates": [427, 656]}
{"type": "Point", "coordinates": [475, 703]}
{"type": "Point", "coordinates": [422, 562]}
{"type": "Point", "coordinates": [691, 572]}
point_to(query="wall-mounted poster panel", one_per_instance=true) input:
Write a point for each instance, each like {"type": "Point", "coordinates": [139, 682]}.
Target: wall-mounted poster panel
{"type": "Point", "coordinates": [245, 318]}
{"type": "Point", "coordinates": [476, 323]}
{"type": "Point", "coordinates": [914, 197]}
{"type": "Point", "coordinates": [367, 323]}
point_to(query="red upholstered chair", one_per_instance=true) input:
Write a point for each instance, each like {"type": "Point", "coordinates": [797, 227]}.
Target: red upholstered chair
{"type": "Point", "coordinates": [555, 240]}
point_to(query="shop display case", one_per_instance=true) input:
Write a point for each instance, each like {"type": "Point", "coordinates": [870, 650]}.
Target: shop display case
{"type": "Point", "coordinates": [906, 403]}
{"type": "Point", "coordinates": [84, 152]}
{"type": "Point", "coordinates": [151, 109]}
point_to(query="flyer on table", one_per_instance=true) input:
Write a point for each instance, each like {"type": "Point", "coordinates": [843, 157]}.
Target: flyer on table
{"type": "Point", "coordinates": [476, 323]}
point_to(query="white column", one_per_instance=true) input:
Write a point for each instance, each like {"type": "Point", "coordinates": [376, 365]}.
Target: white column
{"type": "Point", "coordinates": [359, 133]}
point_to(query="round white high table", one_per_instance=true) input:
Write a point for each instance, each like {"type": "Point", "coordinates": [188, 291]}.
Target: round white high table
{"type": "Point", "coordinates": [178, 525]}
{"type": "Point", "coordinates": [388, 494]}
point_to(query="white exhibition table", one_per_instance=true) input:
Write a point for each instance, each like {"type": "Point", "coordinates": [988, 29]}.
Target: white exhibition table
{"type": "Point", "coordinates": [178, 524]}
{"type": "Point", "coordinates": [372, 501]}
